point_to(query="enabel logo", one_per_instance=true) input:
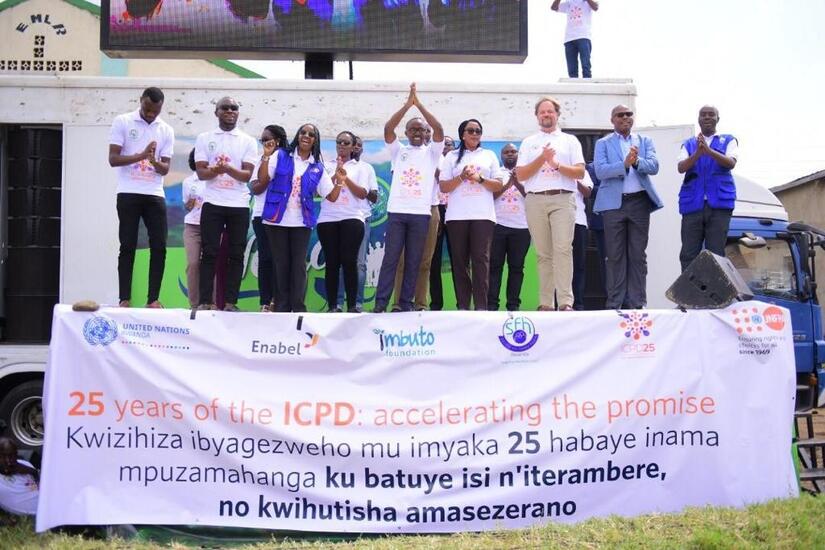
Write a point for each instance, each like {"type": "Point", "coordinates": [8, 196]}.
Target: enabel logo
{"type": "Point", "coordinates": [100, 331]}
{"type": "Point", "coordinates": [289, 347]}
{"type": "Point", "coordinates": [518, 334]}
{"type": "Point", "coordinates": [418, 343]}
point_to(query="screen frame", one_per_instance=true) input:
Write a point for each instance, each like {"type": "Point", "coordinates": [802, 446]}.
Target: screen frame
{"type": "Point", "coordinates": [286, 54]}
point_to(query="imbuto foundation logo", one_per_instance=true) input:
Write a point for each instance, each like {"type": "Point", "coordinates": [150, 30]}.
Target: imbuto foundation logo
{"type": "Point", "coordinates": [415, 343]}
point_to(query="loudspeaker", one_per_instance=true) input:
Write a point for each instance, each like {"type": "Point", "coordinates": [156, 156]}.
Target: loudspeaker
{"type": "Point", "coordinates": [709, 282]}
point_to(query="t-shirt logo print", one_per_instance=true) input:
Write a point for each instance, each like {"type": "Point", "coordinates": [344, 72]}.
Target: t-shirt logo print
{"type": "Point", "coordinates": [549, 171]}
{"type": "Point", "coordinates": [575, 15]}
{"type": "Point", "coordinates": [411, 178]}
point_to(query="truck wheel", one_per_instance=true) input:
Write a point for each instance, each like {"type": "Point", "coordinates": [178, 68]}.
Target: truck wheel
{"type": "Point", "coordinates": [22, 411]}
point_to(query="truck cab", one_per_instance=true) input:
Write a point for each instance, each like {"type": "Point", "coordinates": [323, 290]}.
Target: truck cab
{"type": "Point", "coordinates": [776, 259]}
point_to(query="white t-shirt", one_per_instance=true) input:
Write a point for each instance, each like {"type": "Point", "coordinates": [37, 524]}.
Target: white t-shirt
{"type": "Point", "coordinates": [259, 200]}
{"type": "Point", "coordinates": [732, 150]}
{"type": "Point", "coordinates": [19, 492]}
{"type": "Point", "coordinates": [510, 205]}
{"type": "Point", "coordinates": [581, 211]}
{"type": "Point", "coordinates": [413, 177]}
{"type": "Point", "coordinates": [579, 16]}
{"type": "Point", "coordinates": [233, 147]}
{"type": "Point", "coordinates": [292, 215]}
{"type": "Point", "coordinates": [373, 186]}
{"type": "Point", "coordinates": [470, 200]}
{"type": "Point", "coordinates": [568, 152]}
{"type": "Point", "coordinates": [133, 134]}
{"type": "Point", "coordinates": [193, 189]}
{"type": "Point", "coordinates": [348, 206]}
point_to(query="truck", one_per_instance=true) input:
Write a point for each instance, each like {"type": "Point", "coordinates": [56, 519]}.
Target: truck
{"type": "Point", "coordinates": [58, 224]}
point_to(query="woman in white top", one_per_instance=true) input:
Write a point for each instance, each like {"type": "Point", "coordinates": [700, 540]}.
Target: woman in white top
{"type": "Point", "coordinates": [469, 174]}
{"type": "Point", "coordinates": [341, 223]}
{"type": "Point", "coordinates": [289, 214]}
{"type": "Point", "coordinates": [273, 137]}
{"type": "Point", "coordinates": [192, 191]}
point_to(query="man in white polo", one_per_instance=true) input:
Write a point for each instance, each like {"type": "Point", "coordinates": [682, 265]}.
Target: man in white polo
{"type": "Point", "coordinates": [224, 159]}
{"type": "Point", "coordinates": [549, 163]}
{"type": "Point", "coordinates": [140, 148]}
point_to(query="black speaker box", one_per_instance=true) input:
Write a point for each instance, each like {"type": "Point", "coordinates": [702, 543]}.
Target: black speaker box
{"type": "Point", "coordinates": [709, 282]}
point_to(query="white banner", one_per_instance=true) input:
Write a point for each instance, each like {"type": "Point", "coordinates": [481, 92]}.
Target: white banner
{"type": "Point", "coordinates": [413, 422]}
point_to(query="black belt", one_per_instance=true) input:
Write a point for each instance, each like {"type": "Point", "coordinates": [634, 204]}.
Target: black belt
{"type": "Point", "coordinates": [550, 192]}
{"type": "Point", "coordinates": [636, 194]}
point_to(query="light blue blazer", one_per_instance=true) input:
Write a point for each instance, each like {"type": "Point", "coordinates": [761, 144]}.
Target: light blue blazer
{"type": "Point", "coordinates": [609, 163]}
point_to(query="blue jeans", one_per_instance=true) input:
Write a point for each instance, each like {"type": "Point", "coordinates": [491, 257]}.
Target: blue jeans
{"type": "Point", "coordinates": [404, 232]}
{"type": "Point", "coordinates": [574, 49]}
{"type": "Point", "coordinates": [362, 269]}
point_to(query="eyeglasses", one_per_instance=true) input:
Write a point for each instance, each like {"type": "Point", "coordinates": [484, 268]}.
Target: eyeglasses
{"type": "Point", "coordinates": [343, 142]}
{"type": "Point", "coordinates": [307, 133]}
{"type": "Point", "coordinates": [625, 114]}
{"type": "Point", "coordinates": [228, 107]}
{"type": "Point", "coordinates": [416, 130]}
{"type": "Point", "coordinates": [476, 131]}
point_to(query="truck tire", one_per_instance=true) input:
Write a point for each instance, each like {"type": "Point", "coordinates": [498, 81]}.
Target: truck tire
{"type": "Point", "coordinates": [22, 411]}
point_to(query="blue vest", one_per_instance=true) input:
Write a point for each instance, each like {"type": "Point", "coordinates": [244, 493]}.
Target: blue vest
{"type": "Point", "coordinates": [280, 187]}
{"type": "Point", "coordinates": [707, 179]}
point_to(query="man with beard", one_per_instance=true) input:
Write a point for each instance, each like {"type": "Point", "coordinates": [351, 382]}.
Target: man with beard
{"type": "Point", "coordinates": [549, 163]}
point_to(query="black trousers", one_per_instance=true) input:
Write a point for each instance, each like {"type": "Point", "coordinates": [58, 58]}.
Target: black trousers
{"type": "Point", "coordinates": [708, 227]}
{"type": "Point", "coordinates": [213, 221]}
{"type": "Point", "coordinates": [579, 265]}
{"type": "Point", "coordinates": [510, 244]}
{"type": "Point", "coordinates": [341, 241]}
{"type": "Point", "coordinates": [265, 275]}
{"type": "Point", "coordinates": [625, 238]}
{"type": "Point", "coordinates": [436, 290]}
{"type": "Point", "coordinates": [289, 259]}
{"type": "Point", "coordinates": [470, 242]}
{"type": "Point", "coordinates": [131, 208]}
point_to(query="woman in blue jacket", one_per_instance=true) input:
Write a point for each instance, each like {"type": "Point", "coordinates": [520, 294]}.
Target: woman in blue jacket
{"type": "Point", "coordinates": [295, 176]}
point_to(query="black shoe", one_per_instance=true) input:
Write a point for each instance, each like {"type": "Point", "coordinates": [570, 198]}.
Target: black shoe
{"type": "Point", "coordinates": [379, 309]}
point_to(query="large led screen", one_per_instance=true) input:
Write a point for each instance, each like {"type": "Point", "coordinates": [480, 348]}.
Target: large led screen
{"type": "Point", "coordinates": [451, 30]}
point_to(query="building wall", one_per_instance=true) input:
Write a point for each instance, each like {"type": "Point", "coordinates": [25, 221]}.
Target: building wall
{"type": "Point", "coordinates": [807, 203]}
{"type": "Point", "coordinates": [52, 37]}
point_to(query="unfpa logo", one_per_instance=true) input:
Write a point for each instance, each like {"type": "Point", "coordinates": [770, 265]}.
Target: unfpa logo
{"type": "Point", "coordinates": [635, 324]}
{"type": "Point", "coordinates": [751, 321]}
{"type": "Point", "coordinates": [518, 334]}
{"type": "Point", "coordinates": [100, 331]}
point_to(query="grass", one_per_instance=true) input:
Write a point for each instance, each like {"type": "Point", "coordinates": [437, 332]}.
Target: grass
{"type": "Point", "coordinates": [793, 523]}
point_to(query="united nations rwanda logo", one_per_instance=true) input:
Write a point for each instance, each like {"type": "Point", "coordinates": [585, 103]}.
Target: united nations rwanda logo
{"type": "Point", "coordinates": [100, 331]}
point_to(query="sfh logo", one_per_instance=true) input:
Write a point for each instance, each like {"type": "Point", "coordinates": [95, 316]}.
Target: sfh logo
{"type": "Point", "coordinates": [518, 334]}
{"type": "Point", "coordinates": [100, 331]}
{"type": "Point", "coordinates": [750, 320]}
{"type": "Point", "coordinates": [635, 324]}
